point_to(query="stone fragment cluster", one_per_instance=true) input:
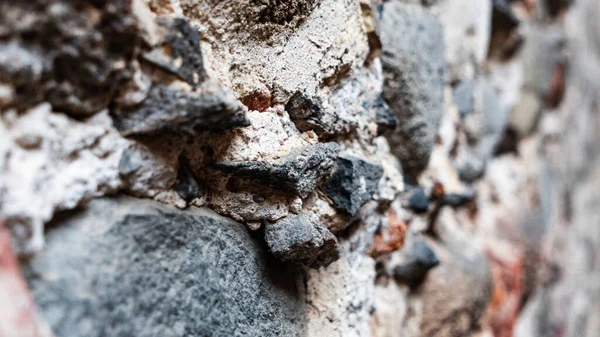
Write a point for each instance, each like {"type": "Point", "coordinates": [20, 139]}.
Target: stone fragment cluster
{"type": "Point", "coordinates": [292, 168]}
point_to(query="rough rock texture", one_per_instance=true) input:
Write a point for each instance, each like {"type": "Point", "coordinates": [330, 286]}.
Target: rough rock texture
{"type": "Point", "coordinates": [214, 108]}
{"type": "Point", "coordinates": [299, 172]}
{"type": "Point", "coordinates": [302, 238]}
{"type": "Point", "coordinates": [394, 168]}
{"type": "Point", "coordinates": [182, 273]}
{"type": "Point", "coordinates": [353, 182]}
{"type": "Point", "coordinates": [414, 70]}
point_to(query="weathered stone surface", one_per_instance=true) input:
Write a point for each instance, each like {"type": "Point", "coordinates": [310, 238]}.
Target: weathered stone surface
{"type": "Point", "coordinates": [179, 52]}
{"type": "Point", "coordinates": [454, 295]}
{"type": "Point", "coordinates": [167, 109]}
{"type": "Point", "coordinates": [73, 54]}
{"type": "Point", "coordinates": [353, 182]}
{"type": "Point", "coordinates": [414, 78]}
{"type": "Point", "coordinates": [302, 238]}
{"type": "Point", "coordinates": [282, 12]}
{"type": "Point", "coordinates": [180, 272]}
{"type": "Point", "coordinates": [385, 117]}
{"type": "Point", "coordinates": [298, 172]}
{"type": "Point", "coordinates": [50, 162]}
{"type": "Point", "coordinates": [467, 25]}
{"type": "Point", "coordinates": [148, 169]}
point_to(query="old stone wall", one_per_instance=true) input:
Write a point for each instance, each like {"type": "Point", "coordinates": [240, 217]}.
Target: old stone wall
{"type": "Point", "coordinates": [299, 168]}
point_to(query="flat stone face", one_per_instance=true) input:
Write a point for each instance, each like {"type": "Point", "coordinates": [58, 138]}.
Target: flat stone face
{"type": "Point", "coordinates": [414, 76]}
{"type": "Point", "coordinates": [126, 267]}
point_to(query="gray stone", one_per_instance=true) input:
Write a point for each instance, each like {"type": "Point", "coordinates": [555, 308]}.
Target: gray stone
{"type": "Point", "coordinates": [184, 58]}
{"type": "Point", "coordinates": [385, 118]}
{"type": "Point", "coordinates": [308, 113]}
{"type": "Point", "coordinates": [302, 238]}
{"type": "Point", "coordinates": [495, 119]}
{"type": "Point", "coordinates": [128, 267]}
{"type": "Point", "coordinates": [414, 70]}
{"type": "Point", "coordinates": [186, 186]}
{"type": "Point", "coordinates": [418, 200]}
{"type": "Point", "coordinates": [464, 97]}
{"type": "Point", "coordinates": [298, 172]}
{"type": "Point", "coordinates": [419, 258]}
{"type": "Point", "coordinates": [78, 54]}
{"type": "Point", "coordinates": [470, 167]}
{"type": "Point", "coordinates": [284, 12]}
{"type": "Point", "coordinates": [353, 182]}
{"type": "Point", "coordinates": [213, 108]}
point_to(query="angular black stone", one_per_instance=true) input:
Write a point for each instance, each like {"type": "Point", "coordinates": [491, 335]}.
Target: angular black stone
{"type": "Point", "coordinates": [298, 172]}
{"type": "Point", "coordinates": [186, 186]}
{"type": "Point", "coordinates": [125, 267]}
{"type": "Point", "coordinates": [302, 238]}
{"type": "Point", "coordinates": [307, 113]}
{"type": "Point", "coordinates": [165, 109]}
{"type": "Point", "coordinates": [353, 182]}
{"type": "Point", "coordinates": [185, 56]}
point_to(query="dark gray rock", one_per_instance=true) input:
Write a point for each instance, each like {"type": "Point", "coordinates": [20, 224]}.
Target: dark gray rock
{"type": "Point", "coordinates": [302, 238]}
{"type": "Point", "coordinates": [419, 258]}
{"type": "Point", "coordinates": [418, 201]}
{"type": "Point", "coordinates": [414, 78]}
{"type": "Point", "coordinates": [308, 113]}
{"type": "Point", "coordinates": [505, 40]}
{"type": "Point", "coordinates": [186, 186]}
{"type": "Point", "coordinates": [283, 12]}
{"type": "Point", "coordinates": [185, 56]}
{"type": "Point", "coordinates": [213, 108]}
{"type": "Point", "coordinates": [127, 267]}
{"type": "Point", "coordinates": [299, 172]}
{"type": "Point", "coordinates": [457, 199]}
{"type": "Point", "coordinates": [72, 54]}
{"type": "Point", "coordinates": [464, 97]}
{"type": "Point", "coordinates": [471, 167]}
{"type": "Point", "coordinates": [353, 182]}
{"type": "Point", "coordinates": [385, 118]}
{"type": "Point", "coordinates": [495, 117]}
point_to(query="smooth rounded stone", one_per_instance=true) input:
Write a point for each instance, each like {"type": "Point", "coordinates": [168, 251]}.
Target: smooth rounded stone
{"type": "Point", "coordinates": [418, 201]}
{"type": "Point", "coordinates": [129, 267]}
{"type": "Point", "coordinates": [414, 261]}
{"type": "Point", "coordinates": [414, 76]}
